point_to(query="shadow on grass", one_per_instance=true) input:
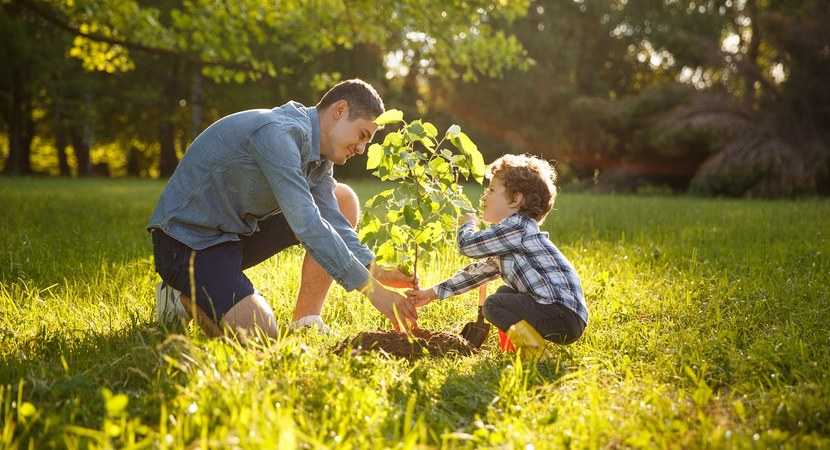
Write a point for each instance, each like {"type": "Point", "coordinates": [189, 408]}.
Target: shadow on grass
{"type": "Point", "coordinates": [496, 384]}
{"type": "Point", "coordinates": [62, 372]}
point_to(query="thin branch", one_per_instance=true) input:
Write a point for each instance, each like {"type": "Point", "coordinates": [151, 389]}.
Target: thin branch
{"type": "Point", "coordinates": [49, 16]}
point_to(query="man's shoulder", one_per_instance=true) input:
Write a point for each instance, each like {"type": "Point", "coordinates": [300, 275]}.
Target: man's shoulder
{"type": "Point", "coordinates": [293, 110]}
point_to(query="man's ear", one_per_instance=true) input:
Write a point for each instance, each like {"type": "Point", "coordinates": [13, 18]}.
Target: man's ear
{"type": "Point", "coordinates": [517, 200]}
{"type": "Point", "coordinates": [339, 109]}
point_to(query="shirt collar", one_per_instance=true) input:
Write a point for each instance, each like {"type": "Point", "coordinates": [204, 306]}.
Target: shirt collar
{"type": "Point", "coordinates": [314, 117]}
{"type": "Point", "coordinates": [521, 218]}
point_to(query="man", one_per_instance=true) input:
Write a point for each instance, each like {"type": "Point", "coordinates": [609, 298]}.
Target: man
{"type": "Point", "coordinates": [257, 182]}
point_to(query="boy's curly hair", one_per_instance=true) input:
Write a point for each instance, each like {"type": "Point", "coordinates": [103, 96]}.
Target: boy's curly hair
{"type": "Point", "coordinates": [535, 178]}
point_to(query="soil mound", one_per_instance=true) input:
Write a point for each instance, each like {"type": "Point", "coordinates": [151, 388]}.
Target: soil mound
{"type": "Point", "coordinates": [420, 343]}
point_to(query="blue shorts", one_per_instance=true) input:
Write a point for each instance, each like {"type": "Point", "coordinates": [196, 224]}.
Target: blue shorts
{"type": "Point", "coordinates": [217, 270]}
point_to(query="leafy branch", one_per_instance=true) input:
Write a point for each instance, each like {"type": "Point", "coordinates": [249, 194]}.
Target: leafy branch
{"type": "Point", "coordinates": [417, 218]}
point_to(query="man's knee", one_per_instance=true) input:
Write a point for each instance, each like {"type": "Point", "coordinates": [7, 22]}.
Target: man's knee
{"type": "Point", "coordinates": [348, 202]}
{"type": "Point", "coordinates": [250, 314]}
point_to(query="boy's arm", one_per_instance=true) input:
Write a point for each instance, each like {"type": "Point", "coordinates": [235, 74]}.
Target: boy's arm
{"type": "Point", "coordinates": [464, 280]}
{"type": "Point", "coordinates": [468, 278]}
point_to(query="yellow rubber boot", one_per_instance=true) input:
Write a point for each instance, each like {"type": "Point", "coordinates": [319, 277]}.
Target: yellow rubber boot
{"type": "Point", "coordinates": [527, 340]}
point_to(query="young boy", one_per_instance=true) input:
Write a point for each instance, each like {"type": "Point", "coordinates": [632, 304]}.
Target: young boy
{"type": "Point", "coordinates": [542, 298]}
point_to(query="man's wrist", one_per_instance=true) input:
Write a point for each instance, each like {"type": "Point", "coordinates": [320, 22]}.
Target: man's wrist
{"type": "Point", "coordinates": [368, 287]}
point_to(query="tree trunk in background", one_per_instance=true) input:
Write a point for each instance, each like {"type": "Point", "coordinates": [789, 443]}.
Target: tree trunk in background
{"type": "Point", "coordinates": [752, 55]}
{"type": "Point", "coordinates": [21, 128]}
{"type": "Point", "coordinates": [81, 148]}
{"type": "Point", "coordinates": [167, 139]}
{"type": "Point", "coordinates": [196, 105]}
{"type": "Point", "coordinates": [61, 140]}
{"type": "Point", "coordinates": [82, 138]}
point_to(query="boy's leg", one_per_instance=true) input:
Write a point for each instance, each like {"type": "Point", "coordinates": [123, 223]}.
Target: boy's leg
{"type": "Point", "coordinates": [555, 322]}
{"type": "Point", "coordinates": [315, 281]}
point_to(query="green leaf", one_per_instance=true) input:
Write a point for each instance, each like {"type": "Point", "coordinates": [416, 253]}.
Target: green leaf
{"type": "Point", "coordinates": [397, 233]}
{"type": "Point", "coordinates": [373, 156]}
{"type": "Point", "coordinates": [393, 140]}
{"type": "Point", "coordinates": [479, 168]}
{"type": "Point", "coordinates": [27, 410]}
{"type": "Point", "coordinates": [416, 131]}
{"type": "Point", "coordinates": [439, 166]}
{"type": "Point", "coordinates": [386, 252]}
{"type": "Point", "coordinates": [411, 217]}
{"type": "Point", "coordinates": [380, 199]}
{"type": "Point", "coordinates": [463, 143]}
{"type": "Point", "coordinates": [390, 116]}
{"type": "Point", "coordinates": [116, 404]}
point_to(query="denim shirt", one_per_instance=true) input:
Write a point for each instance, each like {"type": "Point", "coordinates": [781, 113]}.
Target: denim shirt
{"type": "Point", "coordinates": [252, 165]}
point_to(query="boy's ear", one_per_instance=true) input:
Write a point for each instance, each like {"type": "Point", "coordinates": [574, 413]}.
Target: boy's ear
{"type": "Point", "coordinates": [517, 200]}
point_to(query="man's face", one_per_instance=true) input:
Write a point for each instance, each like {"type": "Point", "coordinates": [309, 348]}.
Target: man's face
{"type": "Point", "coordinates": [346, 138]}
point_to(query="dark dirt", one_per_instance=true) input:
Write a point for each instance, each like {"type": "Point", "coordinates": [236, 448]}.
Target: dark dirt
{"type": "Point", "coordinates": [421, 343]}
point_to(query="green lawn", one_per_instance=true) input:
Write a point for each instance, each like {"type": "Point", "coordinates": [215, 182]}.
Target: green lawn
{"type": "Point", "coordinates": [710, 328]}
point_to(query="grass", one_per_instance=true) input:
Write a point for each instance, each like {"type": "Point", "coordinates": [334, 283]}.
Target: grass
{"type": "Point", "coordinates": [710, 328]}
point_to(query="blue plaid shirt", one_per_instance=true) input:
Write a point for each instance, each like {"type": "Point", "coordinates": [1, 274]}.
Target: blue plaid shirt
{"type": "Point", "coordinates": [525, 258]}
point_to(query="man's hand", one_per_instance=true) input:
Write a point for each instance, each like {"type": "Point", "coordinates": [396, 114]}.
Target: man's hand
{"type": "Point", "coordinates": [392, 277]}
{"type": "Point", "coordinates": [468, 218]}
{"type": "Point", "coordinates": [392, 305]}
{"type": "Point", "coordinates": [421, 297]}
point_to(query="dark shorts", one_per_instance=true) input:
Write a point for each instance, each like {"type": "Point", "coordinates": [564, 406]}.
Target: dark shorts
{"type": "Point", "coordinates": [554, 322]}
{"type": "Point", "coordinates": [219, 283]}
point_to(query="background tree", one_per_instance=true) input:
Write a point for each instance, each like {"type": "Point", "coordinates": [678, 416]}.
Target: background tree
{"type": "Point", "coordinates": [282, 46]}
{"type": "Point", "coordinates": [677, 93]}
{"type": "Point", "coordinates": [718, 96]}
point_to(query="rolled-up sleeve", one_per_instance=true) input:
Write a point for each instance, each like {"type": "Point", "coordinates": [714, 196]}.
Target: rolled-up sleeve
{"type": "Point", "coordinates": [276, 148]}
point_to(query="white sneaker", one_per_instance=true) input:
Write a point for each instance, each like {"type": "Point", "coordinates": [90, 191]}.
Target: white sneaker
{"type": "Point", "coordinates": [168, 305]}
{"type": "Point", "coordinates": [313, 321]}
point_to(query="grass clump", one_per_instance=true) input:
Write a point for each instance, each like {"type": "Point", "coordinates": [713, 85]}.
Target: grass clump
{"type": "Point", "coordinates": [709, 329]}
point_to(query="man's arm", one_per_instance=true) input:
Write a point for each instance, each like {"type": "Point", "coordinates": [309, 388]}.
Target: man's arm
{"type": "Point", "coordinates": [323, 194]}
{"type": "Point", "coordinates": [276, 149]}
{"type": "Point", "coordinates": [400, 311]}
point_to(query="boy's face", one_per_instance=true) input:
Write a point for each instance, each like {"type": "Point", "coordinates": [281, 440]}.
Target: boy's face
{"type": "Point", "coordinates": [496, 204]}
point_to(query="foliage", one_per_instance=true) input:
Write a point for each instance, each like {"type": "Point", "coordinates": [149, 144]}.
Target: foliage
{"type": "Point", "coordinates": [156, 62]}
{"type": "Point", "coordinates": [249, 39]}
{"type": "Point", "coordinates": [417, 218]}
{"type": "Point", "coordinates": [699, 338]}
{"type": "Point", "coordinates": [599, 63]}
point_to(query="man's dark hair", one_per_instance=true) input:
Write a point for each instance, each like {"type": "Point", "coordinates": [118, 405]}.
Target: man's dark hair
{"type": "Point", "coordinates": [364, 101]}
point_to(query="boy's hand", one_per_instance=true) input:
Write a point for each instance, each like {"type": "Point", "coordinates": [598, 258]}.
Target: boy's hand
{"type": "Point", "coordinates": [393, 277]}
{"type": "Point", "coordinates": [420, 297]}
{"type": "Point", "coordinates": [468, 218]}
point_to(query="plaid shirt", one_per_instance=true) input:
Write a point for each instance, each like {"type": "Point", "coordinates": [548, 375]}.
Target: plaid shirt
{"type": "Point", "coordinates": [525, 258]}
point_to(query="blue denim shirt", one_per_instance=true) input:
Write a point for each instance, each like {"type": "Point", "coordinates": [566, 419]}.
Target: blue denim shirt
{"type": "Point", "coordinates": [251, 165]}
